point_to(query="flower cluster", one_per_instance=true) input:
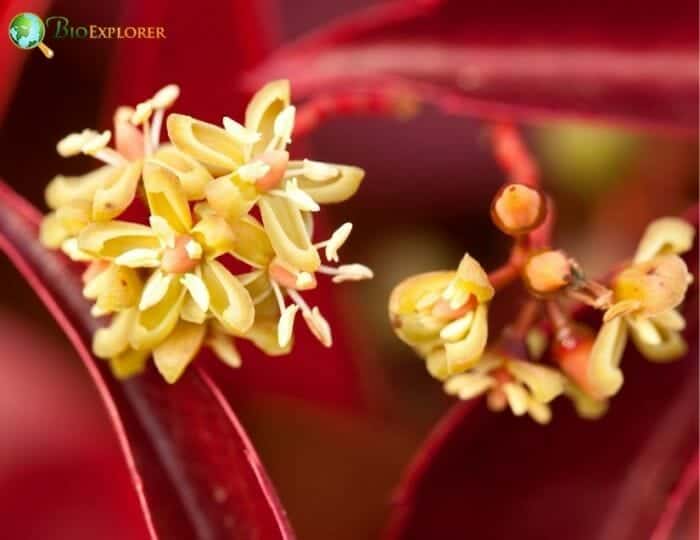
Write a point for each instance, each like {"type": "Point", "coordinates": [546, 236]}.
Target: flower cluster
{"type": "Point", "coordinates": [443, 315]}
{"type": "Point", "coordinates": [217, 197]}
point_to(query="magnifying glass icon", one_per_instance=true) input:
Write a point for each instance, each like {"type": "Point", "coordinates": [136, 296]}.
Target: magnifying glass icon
{"type": "Point", "coordinates": [27, 31]}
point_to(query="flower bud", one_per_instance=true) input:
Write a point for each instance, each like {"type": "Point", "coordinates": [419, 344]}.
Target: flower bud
{"type": "Point", "coordinates": [548, 272]}
{"type": "Point", "coordinates": [518, 209]}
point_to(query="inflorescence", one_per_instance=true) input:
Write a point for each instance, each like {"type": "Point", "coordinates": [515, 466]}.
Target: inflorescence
{"type": "Point", "coordinates": [443, 315]}
{"type": "Point", "coordinates": [213, 193]}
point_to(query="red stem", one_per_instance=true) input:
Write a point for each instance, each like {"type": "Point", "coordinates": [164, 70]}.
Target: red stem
{"type": "Point", "coordinates": [674, 505]}
{"type": "Point", "coordinates": [513, 156]}
{"type": "Point", "coordinates": [378, 102]}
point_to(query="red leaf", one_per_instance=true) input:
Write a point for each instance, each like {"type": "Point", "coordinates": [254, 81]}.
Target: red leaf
{"type": "Point", "coordinates": [612, 61]}
{"type": "Point", "coordinates": [195, 471]}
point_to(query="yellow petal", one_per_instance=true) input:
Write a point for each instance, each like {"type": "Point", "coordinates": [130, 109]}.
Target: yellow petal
{"type": "Point", "coordinates": [231, 197]}
{"type": "Point", "coordinates": [252, 244]}
{"type": "Point", "coordinates": [191, 312]}
{"type": "Point", "coordinates": [287, 232]}
{"type": "Point", "coordinates": [65, 222]}
{"type": "Point", "coordinates": [224, 347]}
{"type": "Point", "coordinates": [665, 235]}
{"type": "Point", "coordinates": [52, 233]}
{"type": "Point", "coordinates": [340, 187]}
{"type": "Point", "coordinates": [544, 383]}
{"type": "Point", "coordinates": [585, 405]}
{"type": "Point", "coordinates": [670, 320]}
{"type": "Point", "coordinates": [120, 288]}
{"type": "Point", "coordinates": [517, 398]}
{"type": "Point", "coordinates": [154, 324]}
{"type": "Point", "coordinates": [211, 145]}
{"type": "Point", "coordinates": [63, 190]}
{"type": "Point", "coordinates": [197, 289]}
{"type": "Point", "coordinates": [436, 363]}
{"type": "Point", "coordinates": [230, 301]}
{"type": "Point", "coordinates": [116, 192]}
{"type": "Point", "coordinates": [113, 340]}
{"type": "Point", "coordinates": [411, 326]}
{"type": "Point", "coordinates": [262, 111]}
{"type": "Point", "coordinates": [191, 174]}
{"type": "Point", "coordinates": [476, 279]}
{"type": "Point", "coordinates": [178, 350]}
{"type": "Point", "coordinates": [215, 235]}
{"type": "Point", "coordinates": [466, 353]}
{"type": "Point", "coordinates": [656, 342]}
{"type": "Point", "coordinates": [129, 363]}
{"type": "Point", "coordinates": [605, 374]}
{"type": "Point", "coordinates": [111, 239]}
{"type": "Point", "coordinates": [468, 385]}
{"type": "Point", "coordinates": [155, 289]}
{"type": "Point", "coordinates": [263, 334]}
{"type": "Point", "coordinates": [166, 198]}
{"type": "Point", "coordinates": [539, 412]}
{"type": "Point", "coordinates": [658, 284]}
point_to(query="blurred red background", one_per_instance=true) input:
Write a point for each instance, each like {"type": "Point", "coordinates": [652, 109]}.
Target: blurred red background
{"type": "Point", "coordinates": [334, 452]}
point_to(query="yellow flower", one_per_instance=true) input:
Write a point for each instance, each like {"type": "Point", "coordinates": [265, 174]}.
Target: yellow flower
{"type": "Point", "coordinates": [253, 167]}
{"type": "Point", "coordinates": [273, 279]}
{"type": "Point", "coordinates": [646, 295]}
{"type": "Point", "coordinates": [104, 194]}
{"type": "Point", "coordinates": [186, 286]}
{"type": "Point", "coordinates": [443, 316]}
{"type": "Point", "coordinates": [525, 387]}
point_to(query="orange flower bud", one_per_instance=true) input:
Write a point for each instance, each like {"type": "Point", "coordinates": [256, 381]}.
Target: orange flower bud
{"type": "Point", "coordinates": [518, 209]}
{"type": "Point", "coordinates": [572, 351]}
{"type": "Point", "coordinates": [548, 272]}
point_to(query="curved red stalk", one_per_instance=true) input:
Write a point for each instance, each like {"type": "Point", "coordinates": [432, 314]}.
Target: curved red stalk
{"type": "Point", "coordinates": [687, 482]}
{"type": "Point", "coordinates": [196, 474]}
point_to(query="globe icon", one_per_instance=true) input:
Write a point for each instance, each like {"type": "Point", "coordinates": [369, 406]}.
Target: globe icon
{"type": "Point", "coordinates": [27, 31]}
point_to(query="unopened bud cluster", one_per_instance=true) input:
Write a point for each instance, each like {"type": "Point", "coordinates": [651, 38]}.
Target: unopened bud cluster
{"type": "Point", "coordinates": [166, 282]}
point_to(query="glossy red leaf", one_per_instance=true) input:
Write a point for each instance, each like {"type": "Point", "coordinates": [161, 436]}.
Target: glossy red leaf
{"type": "Point", "coordinates": [613, 61]}
{"type": "Point", "coordinates": [196, 474]}
{"type": "Point", "coordinates": [492, 475]}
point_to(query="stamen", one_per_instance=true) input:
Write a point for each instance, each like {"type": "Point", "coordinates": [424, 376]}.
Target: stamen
{"type": "Point", "coordinates": [166, 96]}
{"type": "Point", "coordinates": [305, 280]}
{"type": "Point", "coordinates": [283, 127]}
{"type": "Point", "coordinates": [155, 290]}
{"type": "Point", "coordinates": [94, 142]}
{"type": "Point", "coordinates": [427, 301]}
{"type": "Point", "coordinates": [336, 241]}
{"type": "Point", "coordinates": [197, 289]}
{"type": "Point", "coordinates": [319, 172]}
{"type": "Point", "coordinates": [285, 326]}
{"type": "Point", "coordinates": [300, 198]}
{"type": "Point", "coordinates": [139, 258]}
{"type": "Point", "coordinates": [110, 157]}
{"type": "Point", "coordinates": [252, 171]}
{"type": "Point", "coordinates": [351, 272]}
{"type": "Point", "coordinates": [239, 132]}
{"type": "Point", "coordinates": [156, 126]}
{"type": "Point", "coordinates": [457, 329]}
{"type": "Point", "coordinates": [141, 116]}
{"type": "Point", "coordinates": [278, 296]}
{"type": "Point", "coordinates": [72, 144]}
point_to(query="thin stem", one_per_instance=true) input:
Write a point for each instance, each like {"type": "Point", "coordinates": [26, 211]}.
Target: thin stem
{"type": "Point", "coordinates": [526, 318]}
{"type": "Point", "coordinates": [559, 319]}
{"type": "Point", "coordinates": [513, 156]}
{"type": "Point", "coordinates": [389, 101]}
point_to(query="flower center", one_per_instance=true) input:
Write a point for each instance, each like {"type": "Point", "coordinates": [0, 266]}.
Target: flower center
{"type": "Point", "coordinates": [277, 161]}
{"type": "Point", "coordinates": [183, 257]}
